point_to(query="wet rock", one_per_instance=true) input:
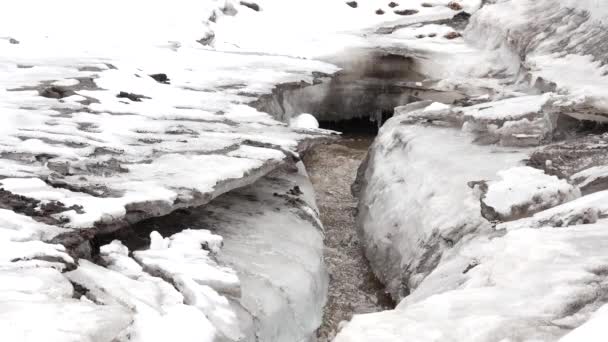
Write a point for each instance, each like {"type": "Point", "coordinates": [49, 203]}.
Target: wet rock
{"type": "Point", "coordinates": [161, 78]}
{"type": "Point", "coordinates": [207, 39]}
{"type": "Point", "coordinates": [406, 12]}
{"type": "Point", "coordinates": [131, 96]}
{"type": "Point", "coordinates": [452, 35]}
{"type": "Point", "coordinates": [56, 92]}
{"type": "Point", "coordinates": [453, 5]}
{"type": "Point", "coordinates": [251, 5]}
{"type": "Point", "coordinates": [353, 4]}
{"type": "Point", "coordinates": [39, 211]}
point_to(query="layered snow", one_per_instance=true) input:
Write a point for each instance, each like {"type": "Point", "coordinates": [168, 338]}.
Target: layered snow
{"type": "Point", "coordinates": [272, 241]}
{"type": "Point", "coordinates": [416, 201]}
{"type": "Point", "coordinates": [530, 284]}
{"type": "Point", "coordinates": [559, 42]}
{"type": "Point", "coordinates": [131, 123]}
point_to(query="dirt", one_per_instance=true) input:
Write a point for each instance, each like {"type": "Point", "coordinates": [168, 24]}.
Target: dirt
{"type": "Point", "coordinates": [353, 288]}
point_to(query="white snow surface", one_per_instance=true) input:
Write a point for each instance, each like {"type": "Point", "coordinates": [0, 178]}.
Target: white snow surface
{"type": "Point", "coordinates": [523, 190]}
{"type": "Point", "coordinates": [305, 120]}
{"type": "Point", "coordinates": [531, 284]}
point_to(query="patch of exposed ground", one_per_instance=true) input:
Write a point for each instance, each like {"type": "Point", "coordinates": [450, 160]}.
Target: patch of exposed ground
{"type": "Point", "coordinates": [353, 288]}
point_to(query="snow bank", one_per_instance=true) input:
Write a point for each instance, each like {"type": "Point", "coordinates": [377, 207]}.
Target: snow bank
{"type": "Point", "coordinates": [559, 43]}
{"type": "Point", "coordinates": [271, 237]}
{"type": "Point", "coordinates": [415, 202]}
{"type": "Point", "coordinates": [529, 284]}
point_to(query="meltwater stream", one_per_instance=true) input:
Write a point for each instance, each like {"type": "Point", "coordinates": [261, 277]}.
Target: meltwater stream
{"type": "Point", "coordinates": [353, 288]}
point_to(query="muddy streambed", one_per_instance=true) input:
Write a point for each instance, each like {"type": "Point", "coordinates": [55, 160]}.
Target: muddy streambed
{"type": "Point", "coordinates": [353, 288]}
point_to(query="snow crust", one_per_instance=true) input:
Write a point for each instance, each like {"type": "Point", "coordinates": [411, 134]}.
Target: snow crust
{"type": "Point", "coordinates": [523, 190]}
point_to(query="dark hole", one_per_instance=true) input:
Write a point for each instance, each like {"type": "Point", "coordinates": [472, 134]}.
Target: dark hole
{"type": "Point", "coordinates": [357, 126]}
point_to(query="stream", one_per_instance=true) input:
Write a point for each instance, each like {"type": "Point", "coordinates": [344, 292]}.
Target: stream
{"type": "Point", "coordinates": [353, 288]}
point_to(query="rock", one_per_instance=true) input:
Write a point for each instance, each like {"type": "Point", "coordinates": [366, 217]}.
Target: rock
{"type": "Point", "coordinates": [454, 6]}
{"type": "Point", "coordinates": [13, 41]}
{"type": "Point", "coordinates": [379, 11]}
{"type": "Point", "coordinates": [131, 96]}
{"type": "Point", "coordinates": [56, 92]}
{"type": "Point", "coordinates": [353, 4]}
{"type": "Point", "coordinates": [251, 5]}
{"type": "Point", "coordinates": [406, 12]}
{"type": "Point", "coordinates": [452, 35]}
{"type": "Point", "coordinates": [393, 4]}
{"type": "Point", "coordinates": [161, 78]}
{"type": "Point", "coordinates": [207, 39]}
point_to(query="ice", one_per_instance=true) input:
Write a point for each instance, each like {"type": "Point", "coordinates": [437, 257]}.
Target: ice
{"type": "Point", "coordinates": [586, 178]}
{"type": "Point", "coordinates": [421, 173]}
{"type": "Point", "coordinates": [529, 284]}
{"type": "Point", "coordinates": [271, 237]}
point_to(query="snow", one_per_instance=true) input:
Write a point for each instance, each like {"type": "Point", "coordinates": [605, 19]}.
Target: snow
{"type": "Point", "coordinates": [185, 256]}
{"type": "Point", "coordinates": [522, 191]}
{"type": "Point", "coordinates": [563, 46]}
{"type": "Point", "coordinates": [304, 120]}
{"type": "Point", "coordinates": [508, 109]}
{"type": "Point", "coordinates": [588, 176]}
{"type": "Point", "coordinates": [159, 312]}
{"type": "Point", "coordinates": [271, 237]}
{"type": "Point", "coordinates": [593, 330]}
{"type": "Point", "coordinates": [253, 266]}
{"type": "Point", "coordinates": [529, 284]}
{"type": "Point", "coordinates": [421, 173]}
